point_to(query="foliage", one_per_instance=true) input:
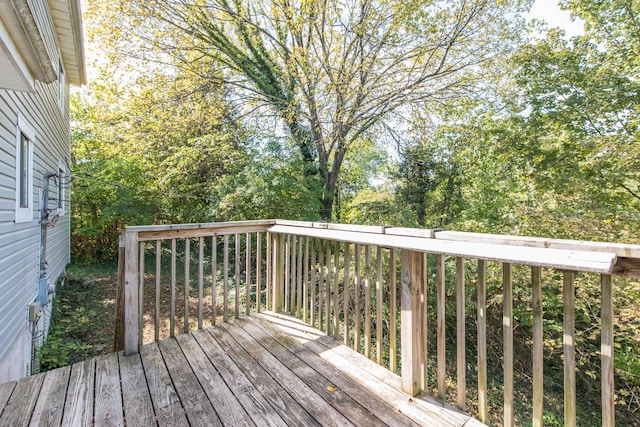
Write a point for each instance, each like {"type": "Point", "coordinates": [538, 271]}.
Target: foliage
{"type": "Point", "coordinates": [77, 329]}
{"type": "Point", "coordinates": [330, 72]}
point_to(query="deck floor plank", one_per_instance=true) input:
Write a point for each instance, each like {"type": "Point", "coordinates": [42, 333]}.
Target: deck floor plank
{"type": "Point", "coordinates": [266, 370]}
{"type": "Point", "coordinates": [195, 402]}
{"type": "Point", "coordinates": [258, 405]}
{"type": "Point", "coordinates": [78, 408]}
{"type": "Point", "coordinates": [20, 406]}
{"type": "Point", "coordinates": [50, 406]}
{"type": "Point", "coordinates": [356, 403]}
{"type": "Point", "coordinates": [224, 402]}
{"type": "Point", "coordinates": [381, 408]}
{"type": "Point", "coordinates": [166, 403]}
{"type": "Point", "coordinates": [6, 390]}
{"type": "Point", "coordinates": [284, 405]}
{"type": "Point", "coordinates": [138, 409]}
{"type": "Point", "coordinates": [108, 394]}
{"type": "Point", "coordinates": [425, 411]}
{"type": "Point", "coordinates": [319, 408]}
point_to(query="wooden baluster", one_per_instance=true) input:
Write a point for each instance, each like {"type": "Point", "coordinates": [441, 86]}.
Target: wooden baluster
{"type": "Point", "coordinates": [356, 302]}
{"type": "Point", "coordinates": [225, 281]}
{"type": "Point", "coordinates": [187, 259]}
{"type": "Point", "coordinates": [411, 322]}
{"type": "Point", "coordinates": [482, 340]}
{"type": "Point", "coordinates": [313, 283]}
{"type": "Point", "coordinates": [327, 287]}
{"type": "Point", "coordinates": [293, 275]}
{"type": "Point", "coordinates": [346, 290]}
{"type": "Point", "coordinates": [305, 283]}
{"type": "Point", "coordinates": [379, 305]}
{"type": "Point", "coordinates": [442, 356]}
{"type": "Point", "coordinates": [299, 271]}
{"type": "Point", "coordinates": [200, 281]}
{"type": "Point", "coordinates": [393, 324]}
{"type": "Point", "coordinates": [258, 272]}
{"type": "Point", "coordinates": [248, 275]}
{"type": "Point", "coordinates": [568, 344]}
{"type": "Point", "coordinates": [461, 337]}
{"type": "Point", "coordinates": [425, 312]}
{"type": "Point", "coordinates": [287, 273]}
{"type": "Point", "coordinates": [141, 295]}
{"type": "Point", "coordinates": [538, 347]}
{"type": "Point", "coordinates": [606, 349]}
{"type": "Point", "coordinates": [214, 278]}
{"type": "Point", "coordinates": [367, 301]}
{"type": "Point", "coordinates": [270, 256]}
{"type": "Point", "coordinates": [237, 277]}
{"type": "Point", "coordinates": [132, 293]}
{"type": "Point", "coordinates": [507, 337]}
{"type": "Point", "coordinates": [158, 290]}
{"type": "Point", "coordinates": [336, 291]}
{"type": "Point", "coordinates": [278, 269]}
{"type": "Point", "coordinates": [320, 283]}
{"type": "Point", "coordinates": [172, 315]}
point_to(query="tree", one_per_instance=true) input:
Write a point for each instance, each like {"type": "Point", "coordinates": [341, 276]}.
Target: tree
{"type": "Point", "coordinates": [330, 71]}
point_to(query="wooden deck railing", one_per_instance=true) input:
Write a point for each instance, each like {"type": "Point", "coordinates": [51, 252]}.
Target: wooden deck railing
{"type": "Point", "coordinates": [343, 279]}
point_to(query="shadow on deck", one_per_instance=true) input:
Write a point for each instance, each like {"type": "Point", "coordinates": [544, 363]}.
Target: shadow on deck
{"type": "Point", "coordinates": [267, 369]}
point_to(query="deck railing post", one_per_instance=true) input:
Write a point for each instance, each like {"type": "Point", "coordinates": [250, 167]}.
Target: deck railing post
{"type": "Point", "coordinates": [278, 283]}
{"type": "Point", "coordinates": [412, 322]}
{"type": "Point", "coordinates": [118, 336]}
{"type": "Point", "coordinates": [131, 293]}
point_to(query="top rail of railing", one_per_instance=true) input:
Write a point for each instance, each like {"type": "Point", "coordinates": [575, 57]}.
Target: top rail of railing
{"type": "Point", "coordinates": [586, 256]}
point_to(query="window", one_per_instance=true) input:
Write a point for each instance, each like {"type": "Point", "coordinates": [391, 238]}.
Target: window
{"type": "Point", "coordinates": [24, 171]}
{"type": "Point", "coordinates": [62, 87]}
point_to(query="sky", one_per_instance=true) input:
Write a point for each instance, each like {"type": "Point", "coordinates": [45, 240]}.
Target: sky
{"type": "Point", "coordinates": [549, 11]}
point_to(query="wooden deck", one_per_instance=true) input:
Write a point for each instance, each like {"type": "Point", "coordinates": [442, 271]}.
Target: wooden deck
{"type": "Point", "coordinates": [267, 369]}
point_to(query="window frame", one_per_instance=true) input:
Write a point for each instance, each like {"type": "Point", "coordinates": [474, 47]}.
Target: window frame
{"type": "Point", "coordinates": [24, 132]}
{"type": "Point", "coordinates": [61, 191]}
{"type": "Point", "coordinates": [62, 86]}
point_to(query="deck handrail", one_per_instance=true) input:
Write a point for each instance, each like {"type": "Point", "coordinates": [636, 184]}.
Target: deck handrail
{"type": "Point", "coordinates": [315, 271]}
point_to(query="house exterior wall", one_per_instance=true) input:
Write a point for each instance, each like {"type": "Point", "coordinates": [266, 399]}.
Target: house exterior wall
{"type": "Point", "coordinates": [20, 241]}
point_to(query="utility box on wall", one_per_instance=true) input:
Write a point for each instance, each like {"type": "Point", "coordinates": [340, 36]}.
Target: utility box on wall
{"type": "Point", "coordinates": [43, 291]}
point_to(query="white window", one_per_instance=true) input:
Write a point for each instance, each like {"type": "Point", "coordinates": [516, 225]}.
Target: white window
{"type": "Point", "coordinates": [62, 183]}
{"type": "Point", "coordinates": [62, 87]}
{"type": "Point", "coordinates": [25, 138]}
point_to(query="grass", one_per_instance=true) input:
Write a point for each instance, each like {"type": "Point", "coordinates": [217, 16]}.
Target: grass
{"type": "Point", "coordinates": [83, 316]}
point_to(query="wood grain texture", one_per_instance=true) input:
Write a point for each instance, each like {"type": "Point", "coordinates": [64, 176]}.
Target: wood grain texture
{"type": "Point", "coordinates": [606, 349]}
{"type": "Point", "coordinates": [482, 340]}
{"type": "Point", "coordinates": [50, 406]}
{"type": "Point", "coordinates": [138, 409]}
{"type": "Point", "coordinates": [379, 302]}
{"type": "Point", "coordinates": [279, 398]}
{"type": "Point", "coordinates": [322, 411]}
{"type": "Point", "coordinates": [22, 402]}
{"type": "Point", "coordinates": [507, 343]}
{"type": "Point", "coordinates": [78, 408]}
{"type": "Point", "coordinates": [412, 323]}
{"type": "Point", "coordinates": [108, 394]}
{"type": "Point", "coordinates": [222, 399]}
{"type": "Point", "coordinates": [166, 403]}
{"type": "Point", "coordinates": [262, 408]}
{"type": "Point", "coordinates": [194, 401]}
{"type": "Point", "coordinates": [461, 364]}
{"type": "Point", "coordinates": [131, 293]}
{"type": "Point", "coordinates": [569, 349]}
{"type": "Point", "coordinates": [538, 347]}
{"type": "Point", "coordinates": [441, 326]}
{"type": "Point", "coordinates": [6, 390]}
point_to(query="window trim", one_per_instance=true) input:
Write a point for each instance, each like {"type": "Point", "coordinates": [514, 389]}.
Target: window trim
{"type": "Point", "coordinates": [24, 214]}
{"type": "Point", "coordinates": [62, 86]}
{"type": "Point", "coordinates": [61, 192]}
